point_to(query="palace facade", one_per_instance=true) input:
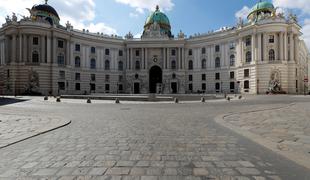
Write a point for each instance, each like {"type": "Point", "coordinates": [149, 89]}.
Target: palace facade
{"type": "Point", "coordinates": [263, 54]}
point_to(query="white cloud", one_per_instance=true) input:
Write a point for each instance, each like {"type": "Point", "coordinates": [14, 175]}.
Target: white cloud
{"type": "Point", "coordinates": [142, 5]}
{"type": "Point", "coordinates": [133, 15]}
{"type": "Point", "coordinates": [243, 13]}
{"type": "Point", "coordinates": [306, 32]}
{"type": "Point", "coordinates": [303, 5]}
{"type": "Point", "coordinates": [138, 35]}
{"type": "Point", "coordinates": [80, 13]}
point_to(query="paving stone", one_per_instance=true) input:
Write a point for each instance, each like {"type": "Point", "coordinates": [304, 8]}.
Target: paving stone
{"type": "Point", "coordinates": [200, 172]}
{"type": "Point", "coordinates": [46, 172]}
{"type": "Point", "coordinates": [118, 171]}
{"type": "Point", "coordinates": [248, 171]}
{"type": "Point", "coordinates": [97, 171]}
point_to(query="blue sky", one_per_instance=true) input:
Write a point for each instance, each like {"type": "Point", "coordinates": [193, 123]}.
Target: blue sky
{"type": "Point", "coordinates": [190, 16]}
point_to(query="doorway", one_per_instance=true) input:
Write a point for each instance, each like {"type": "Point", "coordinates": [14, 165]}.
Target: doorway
{"type": "Point", "coordinates": [136, 88]}
{"type": "Point", "coordinates": [155, 77]}
{"type": "Point", "coordinates": [174, 87]}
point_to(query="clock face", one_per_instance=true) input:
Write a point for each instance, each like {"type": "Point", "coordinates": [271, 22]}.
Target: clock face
{"type": "Point", "coordinates": [155, 59]}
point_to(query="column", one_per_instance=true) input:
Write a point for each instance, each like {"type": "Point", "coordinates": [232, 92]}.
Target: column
{"type": "Point", "coordinates": [239, 54]}
{"type": "Point", "coordinates": [183, 57]}
{"type": "Point", "coordinates": [291, 58]}
{"type": "Point", "coordinates": [54, 55]}
{"type": "Point", "coordinates": [164, 58]}
{"type": "Point", "coordinates": [168, 58]}
{"type": "Point", "coordinates": [281, 46]}
{"type": "Point", "coordinates": [296, 47]}
{"type": "Point", "coordinates": [285, 47]}
{"type": "Point", "coordinates": [13, 56]}
{"type": "Point", "coordinates": [265, 53]}
{"type": "Point", "coordinates": [179, 58]}
{"type": "Point", "coordinates": [20, 57]}
{"type": "Point", "coordinates": [127, 58]}
{"type": "Point", "coordinates": [143, 57]}
{"type": "Point", "coordinates": [48, 48]}
{"type": "Point", "coordinates": [146, 57]}
{"type": "Point", "coordinates": [43, 60]}
{"type": "Point", "coordinates": [259, 48]}
{"type": "Point", "coordinates": [131, 59]}
{"type": "Point", "coordinates": [24, 48]}
{"type": "Point", "coordinates": [253, 48]}
{"type": "Point", "coordinates": [67, 60]}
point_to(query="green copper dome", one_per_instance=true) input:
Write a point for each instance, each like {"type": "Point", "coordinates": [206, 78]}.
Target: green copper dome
{"type": "Point", "coordinates": [161, 19]}
{"type": "Point", "coordinates": [262, 6]}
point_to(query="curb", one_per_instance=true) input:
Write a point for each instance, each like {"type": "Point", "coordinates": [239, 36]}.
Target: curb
{"type": "Point", "coordinates": [36, 134]}
{"type": "Point", "coordinates": [300, 159]}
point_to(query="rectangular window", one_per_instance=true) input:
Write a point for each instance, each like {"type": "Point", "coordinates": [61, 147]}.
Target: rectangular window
{"type": "Point", "coordinates": [248, 41]}
{"type": "Point", "coordinates": [190, 87]}
{"type": "Point", "coordinates": [217, 76]}
{"type": "Point", "coordinates": [93, 50]}
{"type": "Point", "coordinates": [120, 78]}
{"type": "Point", "coordinates": [93, 87]}
{"type": "Point", "coordinates": [35, 41]}
{"type": "Point", "coordinates": [217, 48]}
{"type": "Point", "coordinates": [77, 86]}
{"type": "Point", "coordinates": [217, 86]}
{"type": "Point", "coordinates": [60, 44]}
{"type": "Point", "coordinates": [62, 75]}
{"type": "Point", "coordinates": [246, 73]}
{"type": "Point", "coordinates": [61, 86]}
{"type": "Point", "coordinates": [107, 87]}
{"type": "Point", "coordinates": [77, 76]}
{"type": "Point", "coordinates": [8, 73]}
{"type": "Point", "coordinates": [77, 47]}
{"type": "Point", "coordinates": [232, 85]}
{"type": "Point", "coordinates": [190, 52]}
{"type": "Point", "coordinates": [107, 78]}
{"type": "Point", "coordinates": [271, 39]}
{"type": "Point", "coordinates": [246, 85]}
{"type": "Point", "coordinates": [232, 75]}
{"type": "Point", "coordinates": [203, 86]}
{"type": "Point", "coordinates": [190, 77]}
{"type": "Point", "coordinates": [120, 53]}
{"type": "Point", "coordinates": [107, 52]}
{"type": "Point", "coordinates": [93, 77]}
{"type": "Point", "coordinates": [203, 51]}
{"type": "Point", "coordinates": [203, 77]}
{"type": "Point", "coordinates": [137, 53]}
{"type": "Point", "coordinates": [120, 87]}
{"type": "Point", "coordinates": [173, 52]}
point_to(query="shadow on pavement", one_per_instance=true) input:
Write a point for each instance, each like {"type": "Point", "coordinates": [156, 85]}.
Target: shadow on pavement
{"type": "Point", "coordinates": [6, 101]}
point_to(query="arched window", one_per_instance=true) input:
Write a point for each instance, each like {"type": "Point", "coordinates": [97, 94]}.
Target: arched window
{"type": "Point", "coordinates": [203, 64]}
{"type": "Point", "coordinates": [93, 64]}
{"type": "Point", "coordinates": [190, 65]}
{"type": "Point", "coordinates": [271, 55]}
{"type": "Point", "coordinates": [232, 60]}
{"type": "Point", "coordinates": [61, 59]}
{"type": "Point", "coordinates": [248, 57]}
{"type": "Point", "coordinates": [217, 62]}
{"type": "Point", "coordinates": [173, 64]}
{"type": "Point", "coordinates": [77, 61]}
{"type": "Point", "coordinates": [35, 57]}
{"type": "Point", "coordinates": [137, 65]}
{"type": "Point", "coordinates": [120, 65]}
{"type": "Point", "coordinates": [107, 65]}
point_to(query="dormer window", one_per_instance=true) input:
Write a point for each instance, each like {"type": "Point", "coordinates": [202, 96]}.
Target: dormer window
{"type": "Point", "coordinates": [271, 39]}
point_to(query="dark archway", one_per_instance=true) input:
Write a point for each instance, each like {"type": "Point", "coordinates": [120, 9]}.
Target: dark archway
{"type": "Point", "coordinates": [156, 76]}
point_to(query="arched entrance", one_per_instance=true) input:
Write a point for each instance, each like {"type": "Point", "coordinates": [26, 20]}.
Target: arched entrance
{"type": "Point", "coordinates": [156, 77]}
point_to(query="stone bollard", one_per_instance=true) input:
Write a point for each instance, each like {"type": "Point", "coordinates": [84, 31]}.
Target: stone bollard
{"type": "Point", "coordinates": [228, 98]}
{"type": "Point", "coordinates": [45, 98]}
{"type": "Point", "coordinates": [240, 97]}
{"type": "Point", "coordinates": [58, 99]}
{"type": "Point", "coordinates": [176, 100]}
{"type": "Point", "coordinates": [88, 100]}
{"type": "Point", "coordinates": [225, 95]}
{"type": "Point", "coordinates": [117, 101]}
{"type": "Point", "coordinates": [203, 100]}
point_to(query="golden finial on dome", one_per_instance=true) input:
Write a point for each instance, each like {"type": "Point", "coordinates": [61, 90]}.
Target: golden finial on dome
{"type": "Point", "coordinates": [157, 8]}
